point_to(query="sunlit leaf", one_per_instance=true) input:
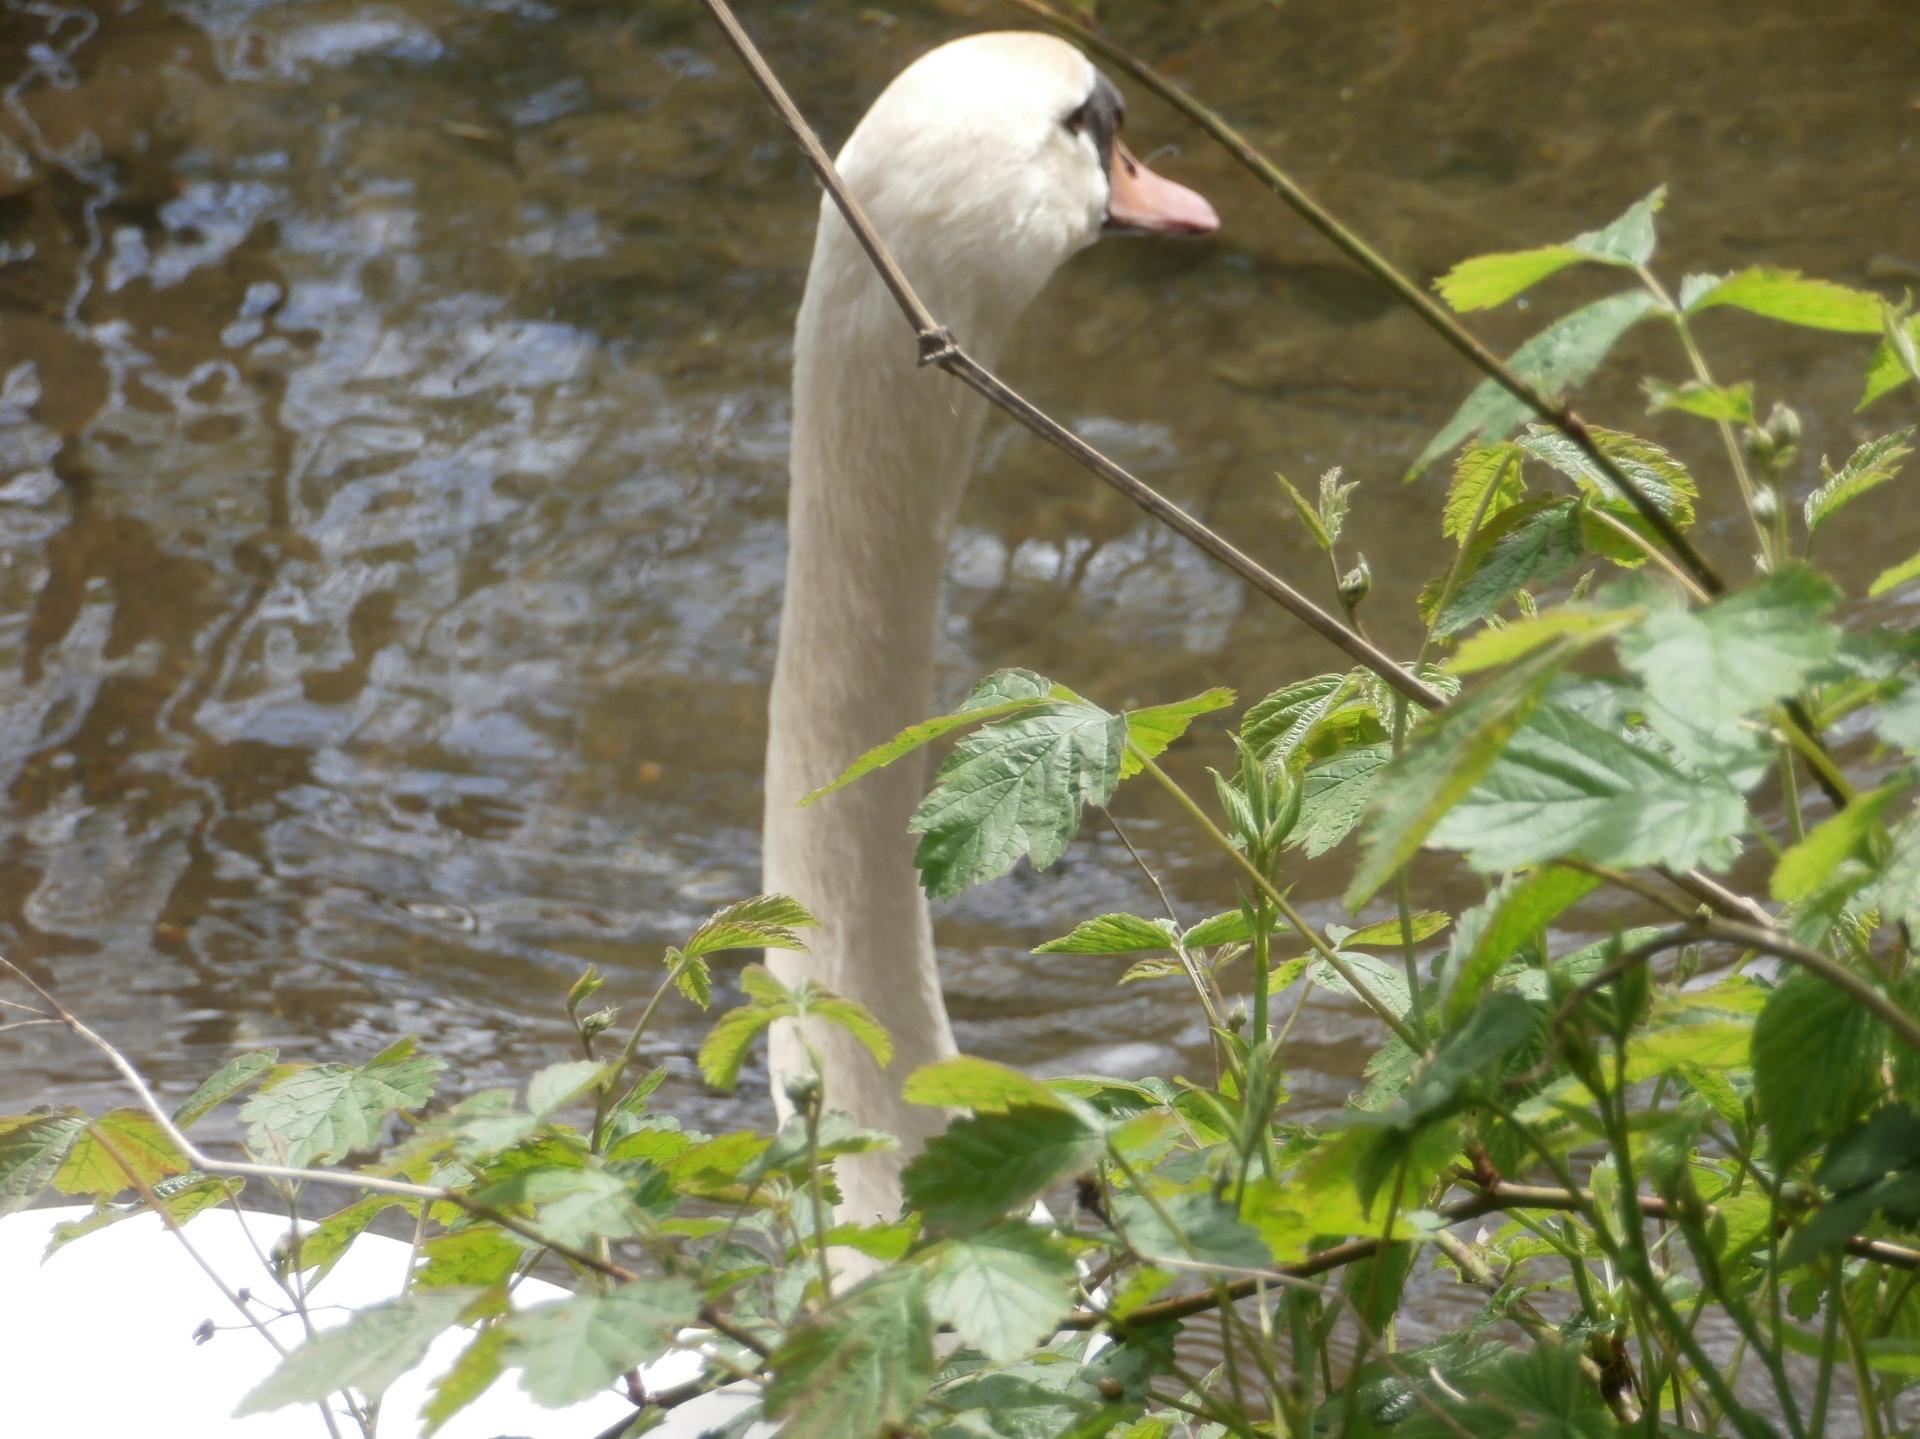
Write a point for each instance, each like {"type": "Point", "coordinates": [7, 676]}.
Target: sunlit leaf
{"type": "Point", "coordinates": [1895, 575]}
{"type": "Point", "coordinates": [1533, 542]}
{"type": "Point", "coordinates": [570, 1349]}
{"type": "Point", "coordinates": [1150, 731]}
{"type": "Point", "coordinates": [1889, 369]}
{"type": "Point", "coordinates": [367, 1353]}
{"type": "Point", "coordinates": [472, 1374]}
{"type": "Point", "coordinates": [1732, 403]}
{"type": "Point", "coordinates": [1285, 720]}
{"type": "Point", "coordinates": [118, 1141]}
{"type": "Point", "coordinates": [860, 1367]}
{"type": "Point", "coordinates": [1203, 1230]}
{"type": "Point", "coordinates": [1523, 910]}
{"type": "Point", "coordinates": [1334, 794]}
{"type": "Point", "coordinates": [232, 1077]}
{"type": "Point", "coordinates": [1867, 468]}
{"type": "Point", "coordinates": [1492, 647]}
{"type": "Point", "coordinates": [1004, 1290]}
{"type": "Point", "coordinates": [32, 1149]}
{"type": "Point", "coordinates": [1789, 296]}
{"type": "Point", "coordinates": [1488, 280]}
{"type": "Point", "coordinates": [330, 1110]}
{"type": "Point", "coordinates": [966, 1082]}
{"type": "Point", "coordinates": [987, 1165]}
{"type": "Point", "coordinates": [1655, 473]}
{"type": "Point", "coordinates": [1308, 512]}
{"type": "Point", "coordinates": [766, 921]}
{"type": "Point", "coordinates": [1806, 866]}
{"type": "Point", "coordinates": [1113, 934]}
{"type": "Point", "coordinates": [1486, 480]}
{"type": "Point", "coordinates": [1426, 924]}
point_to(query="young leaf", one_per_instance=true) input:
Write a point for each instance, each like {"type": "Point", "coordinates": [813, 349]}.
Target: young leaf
{"type": "Point", "coordinates": [1015, 789]}
{"type": "Point", "coordinates": [1805, 868]}
{"type": "Point", "coordinates": [1654, 472]}
{"type": "Point", "coordinates": [468, 1258]}
{"type": "Point", "coordinates": [1334, 794]}
{"type": "Point", "coordinates": [1628, 240]}
{"type": "Point", "coordinates": [1488, 280]}
{"type": "Point", "coordinates": [1492, 647]}
{"type": "Point", "coordinates": [725, 1048]}
{"type": "Point", "coordinates": [1890, 368]}
{"type": "Point", "coordinates": [1894, 576]}
{"type": "Point", "coordinates": [321, 1246]}
{"type": "Point", "coordinates": [1533, 542]}
{"type": "Point", "coordinates": [1445, 762]}
{"type": "Point", "coordinates": [1002, 693]}
{"type": "Point", "coordinates": [232, 1077]}
{"type": "Point", "coordinates": [1309, 515]}
{"type": "Point", "coordinates": [965, 1082]}
{"type": "Point", "coordinates": [1333, 502]}
{"type": "Point", "coordinates": [1566, 786]}
{"type": "Point", "coordinates": [1203, 1231]}
{"type": "Point", "coordinates": [852, 1016]}
{"type": "Point", "coordinates": [1870, 466]}
{"type": "Point", "coordinates": [570, 1349]}
{"type": "Point", "coordinates": [1738, 654]}
{"type": "Point", "coordinates": [32, 1149]}
{"type": "Point", "coordinates": [860, 1367]}
{"type": "Point", "coordinates": [558, 1085]}
{"type": "Point", "coordinates": [1113, 934]}
{"type": "Point", "coordinates": [1524, 910]}
{"type": "Point", "coordinates": [1426, 924]}
{"type": "Point", "coordinates": [1003, 1290]}
{"type": "Point", "coordinates": [989, 1164]}
{"type": "Point", "coordinates": [1732, 403]}
{"type": "Point", "coordinates": [1480, 469]}
{"type": "Point", "coordinates": [766, 921]}
{"type": "Point", "coordinates": [329, 1110]}
{"type": "Point", "coordinates": [1558, 359]}
{"type": "Point", "coordinates": [472, 1374]}
{"type": "Point", "coordinates": [1150, 731]}
{"type": "Point", "coordinates": [1789, 296]}
{"type": "Point", "coordinates": [1285, 720]}
{"type": "Point", "coordinates": [1816, 1054]}
{"type": "Point", "coordinates": [367, 1353]}
{"type": "Point", "coordinates": [98, 1161]}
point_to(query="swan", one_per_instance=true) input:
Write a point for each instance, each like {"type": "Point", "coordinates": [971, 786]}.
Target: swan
{"type": "Point", "coordinates": [985, 165]}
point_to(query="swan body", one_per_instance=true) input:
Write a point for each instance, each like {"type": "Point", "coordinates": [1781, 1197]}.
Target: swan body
{"type": "Point", "coordinates": [985, 165]}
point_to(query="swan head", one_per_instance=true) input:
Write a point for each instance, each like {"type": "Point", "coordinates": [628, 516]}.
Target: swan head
{"type": "Point", "coordinates": [993, 159]}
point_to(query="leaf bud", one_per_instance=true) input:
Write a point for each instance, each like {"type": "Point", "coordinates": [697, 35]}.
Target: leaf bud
{"type": "Point", "coordinates": [804, 1091]}
{"type": "Point", "coordinates": [1783, 428]}
{"type": "Point", "coordinates": [599, 1022]}
{"type": "Point", "coordinates": [1765, 504]}
{"type": "Point", "coordinates": [1355, 584]}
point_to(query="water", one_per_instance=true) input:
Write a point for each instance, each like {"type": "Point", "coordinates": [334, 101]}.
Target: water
{"type": "Point", "coordinates": [392, 468]}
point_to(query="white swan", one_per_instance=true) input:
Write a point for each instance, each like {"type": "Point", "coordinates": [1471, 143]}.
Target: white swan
{"type": "Point", "coordinates": [985, 165]}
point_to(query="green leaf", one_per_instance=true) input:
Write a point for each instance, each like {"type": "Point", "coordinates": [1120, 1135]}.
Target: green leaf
{"type": "Point", "coordinates": [1738, 654]}
{"type": "Point", "coordinates": [1805, 868]}
{"type": "Point", "coordinates": [1004, 692]}
{"type": "Point", "coordinates": [478, 1258]}
{"type": "Point", "coordinates": [1150, 731]}
{"type": "Point", "coordinates": [1003, 1290]}
{"type": "Point", "coordinates": [558, 1085]}
{"type": "Point", "coordinates": [1333, 502]}
{"type": "Point", "coordinates": [570, 1349]}
{"type": "Point", "coordinates": [1015, 789]}
{"type": "Point", "coordinates": [1479, 469]}
{"type": "Point", "coordinates": [766, 921]}
{"type": "Point", "coordinates": [1533, 542]}
{"type": "Point", "coordinates": [1285, 720]}
{"type": "Point", "coordinates": [1499, 645]}
{"type": "Point", "coordinates": [472, 1374]}
{"type": "Point", "coordinates": [1870, 466]}
{"type": "Point", "coordinates": [1309, 515]}
{"type": "Point", "coordinates": [1204, 1231]}
{"type": "Point", "coordinates": [1558, 359]}
{"type": "Point", "coordinates": [1653, 471]}
{"type": "Point", "coordinates": [1566, 786]}
{"type": "Point", "coordinates": [1789, 296]}
{"type": "Point", "coordinates": [1488, 280]}
{"type": "Point", "coordinates": [1895, 576]}
{"type": "Point", "coordinates": [1816, 1060]}
{"type": "Point", "coordinates": [965, 1082]}
{"type": "Point", "coordinates": [1426, 924]}
{"type": "Point", "coordinates": [121, 1138]}
{"type": "Point", "coordinates": [1897, 890]}
{"type": "Point", "coordinates": [852, 1016]}
{"type": "Point", "coordinates": [330, 1110]}
{"type": "Point", "coordinates": [1888, 369]}
{"type": "Point", "coordinates": [32, 1149]}
{"type": "Point", "coordinates": [367, 1353]}
{"type": "Point", "coordinates": [692, 976]}
{"type": "Point", "coordinates": [1113, 934]}
{"type": "Point", "coordinates": [1446, 760]}
{"type": "Point", "coordinates": [1732, 403]}
{"type": "Point", "coordinates": [182, 1200]}
{"type": "Point", "coordinates": [988, 1164]}
{"type": "Point", "coordinates": [1628, 240]}
{"type": "Point", "coordinates": [232, 1077]}
{"type": "Point", "coordinates": [1334, 794]}
{"type": "Point", "coordinates": [725, 1048]}
{"type": "Point", "coordinates": [321, 1246]}
{"type": "Point", "coordinates": [858, 1368]}
{"type": "Point", "coordinates": [1524, 909]}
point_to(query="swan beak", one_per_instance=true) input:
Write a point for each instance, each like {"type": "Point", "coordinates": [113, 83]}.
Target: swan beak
{"type": "Point", "coordinates": [1140, 202]}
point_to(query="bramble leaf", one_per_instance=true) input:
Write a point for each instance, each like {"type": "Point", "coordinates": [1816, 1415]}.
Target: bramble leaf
{"type": "Point", "coordinates": [1868, 467]}
{"type": "Point", "coordinates": [321, 1113]}
{"type": "Point", "coordinates": [860, 1367]}
{"type": "Point", "coordinates": [1480, 469]}
{"type": "Point", "coordinates": [1004, 1290]}
{"type": "Point", "coordinates": [1732, 403]}
{"type": "Point", "coordinates": [232, 1077]}
{"type": "Point", "coordinates": [1533, 542]}
{"type": "Point", "coordinates": [1816, 1053]}
{"type": "Point", "coordinates": [1524, 909]}
{"type": "Point", "coordinates": [121, 1138]}
{"type": "Point", "coordinates": [32, 1149]}
{"type": "Point", "coordinates": [570, 1349]}
{"type": "Point", "coordinates": [1805, 868]}
{"type": "Point", "coordinates": [1113, 934]}
{"type": "Point", "coordinates": [1334, 795]}
{"type": "Point", "coordinates": [966, 1082]}
{"type": "Point", "coordinates": [986, 1165]}
{"type": "Point", "coordinates": [367, 1353]}
{"type": "Point", "coordinates": [1791, 297]}
{"type": "Point", "coordinates": [1151, 730]}
{"type": "Point", "coordinates": [766, 921]}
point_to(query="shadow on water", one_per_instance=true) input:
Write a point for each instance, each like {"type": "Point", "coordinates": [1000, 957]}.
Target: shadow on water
{"type": "Point", "coordinates": [392, 440]}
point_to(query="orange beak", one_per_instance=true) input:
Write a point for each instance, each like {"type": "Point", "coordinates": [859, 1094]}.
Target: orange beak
{"type": "Point", "coordinates": [1143, 203]}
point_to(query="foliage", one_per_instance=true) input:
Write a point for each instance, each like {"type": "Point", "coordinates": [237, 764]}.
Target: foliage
{"type": "Point", "coordinates": [1679, 1162]}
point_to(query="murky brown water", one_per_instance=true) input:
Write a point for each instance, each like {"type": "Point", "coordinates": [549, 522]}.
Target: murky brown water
{"type": "Point", "coordinates": [392, 464]}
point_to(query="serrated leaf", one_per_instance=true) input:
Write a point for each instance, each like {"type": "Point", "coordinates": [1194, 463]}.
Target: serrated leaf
{"type": "Point", "coordinates": [1653, 471]}
{"type": "Point", "coordinates": [32, 1149]}
{"type": "Point", "coordinates": [1894, 576]}
{"type": "Point", "coordinates": [98, 1161]}
{"type": "Point", "coordinates": [966, 1082]}
{"type": "Point", "coordinates": [855, 1018]}
{"type": "Point", "coordinates": [1151, 730]}
{"type": "Point", "coordinates": [1738, 654]}
{"type": "Point", "coordinates": [182, 1200]}
{"type": "Point", "coordinates": [1805, 868]}
{"type": "Point", "coordinates": [468, 1258]}
{"type": "Point", "coordinates": [1558, 359]}
{"type": "Point", "coordinates": [1732, 403]}
{"type": "Point", "coordinates": [693, 976]}
{"type": "Point", "coordinates": [1867, 468]}
{"type": "Point", "coordinates": [1014, 790]}
{"type": "Point", "coordinates": [1002, 693]}
{"type": "Point", "coordinates": [1113, 934]}
{"type": "Point", "coordinates": [232, 1077]}
{"type": "Point", "coordinates": [1628, 240]}
{"type": "Point", "coordinates": [766, 921]}
{"type": "Point", "coordinates": [860, 1367]}
{"type": "Point", "coordinates": [570, 1349]}
{"type": "Point", "coordinates": [1524, 909]}
{"type": "Point", "coordinates": [1486, 480]}
{"type": "Point", "coordinates": [725, 1048]}
{"type": "Point", "coordinates": [1888, 370]}
{"type": "Point", "coordinates": [1495, 646]}
{"type": "Point", "coordinates": [1567, 787]}
{"type": "Point", "coordinates": [1334, 794]}
{"type": "Point", "coordinates": [1203, 1231]}
{"type": "Point", "coordinates": [1816, 1057]}
{"type": "Point", "coordinates": [558, 1085]}
{"type": "Point", "coordinates": [330, 1110]}
{"type": "Point", "coordinates": [1230, 926]}
{"type": "Point", "coordinates": [1285, 720]}
{"type": "Point", "coordinates": [1533, 542]}
{"type": "Point", "coordinates": [321, 1246]}
{"type": "Point", "coordinates": [986, 1165]}
{"type": "Point", "coordinates": [1447, 759]}
{"type": "Point", "coordinates": [1488, 280]}
{"type": "Point", "coordinates": [1309, 514]}
{"type": "Point", "coordinates": [1143, 970]}
{"type": "Point", "coordinates": [1003, 1290]}
{"type": "Point", "coordinates": [367, 1353]}
{"type": "Point", "coordinates": [1426, 924]}
{"type": "Point", "coordinates": [472, 1374]}
{"type": "Point", "coordinates": [1333, 502]}
{"type": "Point", "coordinates": [1789, 296]}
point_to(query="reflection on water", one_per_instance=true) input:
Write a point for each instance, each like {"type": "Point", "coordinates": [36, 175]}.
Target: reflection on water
{"type": "Point", "coordinates": [392, 431]}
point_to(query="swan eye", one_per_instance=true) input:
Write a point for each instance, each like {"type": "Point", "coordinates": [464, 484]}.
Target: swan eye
{"type": "Point", "coordinates": [1076, 123]}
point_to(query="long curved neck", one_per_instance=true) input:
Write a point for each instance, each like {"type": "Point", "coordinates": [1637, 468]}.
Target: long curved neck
{"type": "Point", "coordinates": [881, 454]}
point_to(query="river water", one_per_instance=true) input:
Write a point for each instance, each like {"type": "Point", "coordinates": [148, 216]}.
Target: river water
{"type": "Point", "coordinates": [392, 467]}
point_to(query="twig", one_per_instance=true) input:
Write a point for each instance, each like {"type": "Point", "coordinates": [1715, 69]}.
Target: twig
{"type": "Point", "coordinates": [939, 347]}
